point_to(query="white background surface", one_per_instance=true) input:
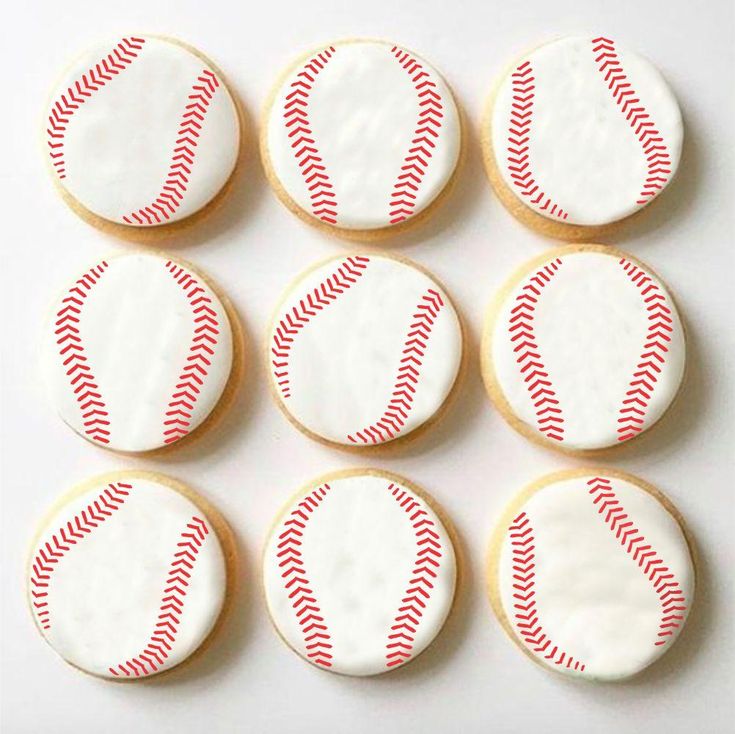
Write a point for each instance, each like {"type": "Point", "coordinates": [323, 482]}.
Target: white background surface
{"type": "Point", "coordinates": [473, 679]}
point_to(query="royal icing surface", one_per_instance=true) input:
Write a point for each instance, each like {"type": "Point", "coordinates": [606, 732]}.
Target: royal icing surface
{"type": "Point", "coordinates": [137, 352]}
{"type": "Point", "coordinates": [585, 132]}
{"type": "Point", "coordinates": [587, 349]}
{"type": "Point", "coordinates": [127, 579]}
{"type": "Point", "coordinates": [141, 131]}
{"type": "Point", "coordinates": [359, 574]}
{"type": "Point", "coordinates": [595, 577]}
{"type": "Point", "coordinates": [363, 134]}
{"type": "Point", "coordinates": [364, 350]}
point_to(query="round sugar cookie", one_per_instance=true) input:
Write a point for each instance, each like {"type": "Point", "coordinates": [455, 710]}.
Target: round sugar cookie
{"type": "Point", "coordinates": [579, 134]}
{"type": "Point", "coordinates": [591, 573]}
{"type": "Point", "coordinates": [141, 133]}
{"type": "Point", "coordinates": [361, 138]}
{"type": "Point", "coordinates": [583, 349]}
{"type": "Point", "coordinates": [359, 572]}
{"type": "Point", "coordinates": [364, 350]}
{"type": "Point", "coordinates": [139, 352]}
{"type": "Point", "coordinates": [129, 574]}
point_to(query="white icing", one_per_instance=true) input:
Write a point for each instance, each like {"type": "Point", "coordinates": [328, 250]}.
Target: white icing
{"type": "Point", "coordinates": [119, 144]}
{"type": "Point", "coordinates": [590, 323]}
{"type": "Point", "coordinates": [105, 592]}
{"type": "Point", "coordinates": [137, 328]}
{"type": "Point", "coordinates": [583, 153]}
{"type": "Point", "coordinates": [592, 599]}
{"type": "Point", "coordinates": [344, 363]}
{"type": "Point", "coordinates": [363, 109]}
{"type": "Point", "coordinates": [359, 552]}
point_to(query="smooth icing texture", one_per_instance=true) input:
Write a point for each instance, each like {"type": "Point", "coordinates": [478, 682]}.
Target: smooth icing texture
{"type": "Point", "coordinates": [137, 352]}
{"type": "Point", "coordinates": [363, 134]}
{"type": "Point", "coordinates": [364, 349]}
{"type": "Point", "coordinates": [585, 132]}
{"type": "Point", "coordinates": [127, 579]}
{"type": "Point", "coordinates": [359, 575]}
{"type": "Point", "coordinates": [571, 585]}
{"type": "Point", "coordinates": [587, 349]}
{"type": "Point", "coordinates": [141, 131]}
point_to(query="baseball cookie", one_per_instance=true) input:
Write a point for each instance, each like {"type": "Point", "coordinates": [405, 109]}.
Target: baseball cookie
{"type": "Point", "coordinates": [579, 134]}
{"type": "Point", "coordinates": [359, 572]}
{"type": "Point", "coordinates": [583, 349]}
{"type": "Point", "coordinates": [129, 574]}
{"type": "Point", "coordinates": [361, 138]}
{"type": "Point", "coordinates": [591, 573]}
{"type": "Point", "coordinates": [142, 132]}
{"type": "Point", "coordinates": [139, 352]}
{"type": "Point", "coordinates": [363, 350]}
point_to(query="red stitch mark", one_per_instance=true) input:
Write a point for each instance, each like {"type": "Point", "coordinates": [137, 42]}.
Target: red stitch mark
{"type": "Point", "coordinates": [296, 319]}
{"type": "Point", "coordinates": [52, 551]}
{"type": "Point", "coordinates": [296, 117]}
{"type": "Point", "coordinates": [538, 383]}
{"type": "Point", "coordinates": [673, 602]}
{"type": "Point", "coordinates": [206, 329]}
{"type": "Point", "coordinates": [524, 595]}
{"type": "Point", "coordinates": [519, 135]}
{"type": "Point", "coordinates": [96, 420]}
{"type": "Point", "coordinates": [313, 627]}
{"type": "Point", "coordinates": [657, 155]}
{"type": "Point", "coordinates": [182, 159]}
{"type": "Point", "coordinates": [81, 90]}
{"type": "Point", "coordinates": [413, 170]}
{"type": "Point", "coordinates": [394, 418]}
{"type": "Point", "coordinates": [171, 609]}
{"type": "Point", "coordinates": [428, 552]}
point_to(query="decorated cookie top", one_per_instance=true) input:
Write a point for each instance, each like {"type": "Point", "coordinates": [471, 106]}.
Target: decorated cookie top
{"type": "Point", "coordinates": [137, 353]}
{"type": "Point", "coordinates": [364, 350]}
{"type": "Point", "coordinates": [362, 135]}
{"type": "Point", "coordinates": [142, 131]}
{"type": "Point", "coordinates": [584, 131]}
{"type": "Point", "coordinates": [359, 573]}
{"type": "Point", "coordinates": [126, 578]}
{"type": "Point", "coordinates": [585, 349]}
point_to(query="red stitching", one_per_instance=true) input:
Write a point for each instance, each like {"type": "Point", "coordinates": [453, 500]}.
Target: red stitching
{"type": "Point", "coordinates": [309, 615]}
{"type": "Point", "coordinates": [673, 602]}
{"type": "Point", "coordinates": [52, 551]}
{"type": "Point", "coordinates": [80, 91]}
{"type": "Point", "coordinates": [538, 383]}
{"type": "Point", "coordinates": [171, 609]}
{"type": "Point", "coordinates": [657, 155]}
{"type": "Point", "coordinates": [395, 415]}
{"type": "Point", "coordinates": [296, 319]}
{"type": "Point", "coordinates": [296, 116]}
{"type": "Point", "coordinates": [96, 419]}
{"type": "Point", "coordinates": [413, 170]}
{"type": "Point", "coordinates": [399, 647]}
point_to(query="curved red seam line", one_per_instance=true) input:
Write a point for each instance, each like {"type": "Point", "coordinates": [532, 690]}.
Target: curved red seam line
{"type": "Point", "coordinates": [524, 596]}
{"type": "Point", "coordinates": [394, 417]}
{"type": "Point", "coordinates": [528, 357]}
{"type": "Point", "coordinates": [313, 626]}
{"type": "Point", "coordinates": [96, 419]}
{"type": "Point", "coordinates": [519, 136]}
{"type": "Point", "coordinates": [658, 160]}
{"type": "Point", "coordinates": [52, 551]}
{"type": "Point", "coordinates": [296, 117]}
{"type": "Point", "coordinates": [670, 594]}
{"type": "Point", "coordinates": [80, 91]}
{"type": "Point", "coordinates": [171, 608]}
{"type": "Point", "coordinates": [399, 647]}
{"type": "Point", "coordinates": [180, 408]}
{"type": "Point", "coordinates": [299, 316]}
{"type": "Point", "coordinates": [416, 162]}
